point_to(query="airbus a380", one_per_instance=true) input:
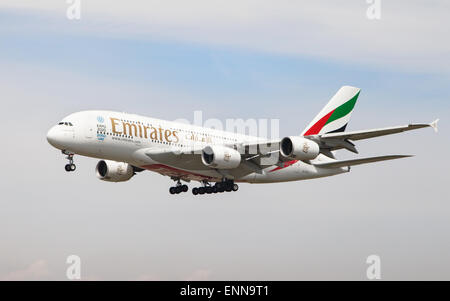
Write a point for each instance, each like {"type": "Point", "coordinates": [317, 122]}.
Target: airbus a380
{"type": "Point", "coordinates": [127, 144]}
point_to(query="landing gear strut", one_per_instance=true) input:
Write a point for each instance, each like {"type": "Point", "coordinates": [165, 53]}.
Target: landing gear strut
{"type": "Point", "coordinates": [71, 166]}
{"type": "Point", "coordinates": [178, 188]}
{"type": "Point", "coordinates": [226, 185]}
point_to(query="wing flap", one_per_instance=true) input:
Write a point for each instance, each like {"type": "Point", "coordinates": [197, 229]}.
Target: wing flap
{"type": "Point", "coordinates": [345, 163]}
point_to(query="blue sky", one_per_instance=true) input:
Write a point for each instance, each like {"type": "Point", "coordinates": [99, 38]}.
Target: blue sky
{"type": "Point", "coordinates": [207, 69]}
{"type": "Point", "coordinates": [224, 81]}
{"type": "Point", "coordinates": [245, 59]}
{"type": "Point", "coordinates": [251, 83]}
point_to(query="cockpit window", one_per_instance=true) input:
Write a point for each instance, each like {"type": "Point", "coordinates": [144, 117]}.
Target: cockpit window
{"type": "Point", "coordinates": [65, 123]}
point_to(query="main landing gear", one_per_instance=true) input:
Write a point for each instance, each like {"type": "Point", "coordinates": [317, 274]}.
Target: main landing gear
{"type": "Point", "coordinates": [227, 185]}
{"type": "Point", "coordinates": [179, 188]}
{"type": "Point", "coordinates": [71, 166]}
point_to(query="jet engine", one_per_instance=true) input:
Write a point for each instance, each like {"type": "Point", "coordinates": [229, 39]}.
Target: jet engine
{"type": "Point", "coordinates": [113, 171]}
{"type": "Point", "coordinates": [299, 148]}
{"type": "Point", "coordinates": [221, 157]}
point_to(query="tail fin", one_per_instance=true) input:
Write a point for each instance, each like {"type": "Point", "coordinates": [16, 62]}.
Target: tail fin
{"type": "Point", "coordinates": [335, 116]}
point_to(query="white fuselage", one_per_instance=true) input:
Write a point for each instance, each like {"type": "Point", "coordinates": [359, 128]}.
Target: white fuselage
{"type": "Point", "coordinates": [127, 138]}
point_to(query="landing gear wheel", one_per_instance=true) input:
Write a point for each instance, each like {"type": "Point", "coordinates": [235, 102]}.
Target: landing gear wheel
{"type": "Point", "coordinates": [178, 188]}
{"type": "Point", "coordinates": [73, 167]}
{"type": "Point", "coordinates": [221, 186]}
{"type": "Point", "coordinates": [68, 167]}
{"type": "Point", "coordinates": [201, 190]}
{"type": "Point", "coordinates": [235, 187]}
{"type": "Point", "coordinates": [195, 191]}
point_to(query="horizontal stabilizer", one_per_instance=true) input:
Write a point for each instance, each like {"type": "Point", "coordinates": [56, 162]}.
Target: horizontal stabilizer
{"type": "Point", "coordinates": [337, 164]}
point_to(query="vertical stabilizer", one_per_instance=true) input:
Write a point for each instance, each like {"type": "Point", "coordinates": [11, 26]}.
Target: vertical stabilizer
{"type": "Point", "coordinates": [335, 116]}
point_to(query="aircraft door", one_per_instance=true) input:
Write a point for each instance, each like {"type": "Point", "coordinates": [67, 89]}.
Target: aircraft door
{"type": "Point", "coordinates": [89, 127]}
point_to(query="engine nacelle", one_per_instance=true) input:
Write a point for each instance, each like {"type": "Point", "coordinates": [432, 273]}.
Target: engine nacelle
{"type": "Point", "coordinates": [113, 171]}
{"type": "Point", "coordinates": [299, 148]}
{"type": "Point", "coordinates": [221, 157]}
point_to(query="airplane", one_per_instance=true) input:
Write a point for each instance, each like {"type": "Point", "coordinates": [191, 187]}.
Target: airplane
{"type": "Point", "coordinates": [127, 144]}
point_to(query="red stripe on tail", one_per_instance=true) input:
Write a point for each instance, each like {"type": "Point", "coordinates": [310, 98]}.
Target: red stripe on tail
{"type": "Point", "coordinates": [315, 129]}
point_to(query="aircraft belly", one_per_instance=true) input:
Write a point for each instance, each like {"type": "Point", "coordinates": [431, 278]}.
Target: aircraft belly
{"type": "Point", "coordinates": [191, 175]}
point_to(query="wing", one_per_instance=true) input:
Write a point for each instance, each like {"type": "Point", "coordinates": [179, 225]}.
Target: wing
{"type": "Point", "coordinates": [187, 164]}
{"type": "Point", "coordinates": [335, 141]}
{"type": "Point", "coordinates": [258, 155]}
{"type": "Point", "coordinates": [267, 152]}
{"type": "Point", "coordinates": [345, 163]}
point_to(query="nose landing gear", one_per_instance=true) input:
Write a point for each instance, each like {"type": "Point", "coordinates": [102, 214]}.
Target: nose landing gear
{"type": "Point", "coordinates": [71, 166]}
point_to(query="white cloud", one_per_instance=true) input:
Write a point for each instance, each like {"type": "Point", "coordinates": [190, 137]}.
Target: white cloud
{"type": "Point", "coordinates": [91, 278]}
{"type": "Point", "coordinates": [148, 277]}
{"type": "Point", "coordinates": [410, 35]}
{"type": "Point", "coordinates": [199, 275]}
{"type": "Point", "coordinates": [36, 271]}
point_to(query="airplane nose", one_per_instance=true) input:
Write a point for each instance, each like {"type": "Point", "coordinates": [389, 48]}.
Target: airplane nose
{"type": "Point", "coordinates": [53, 136]}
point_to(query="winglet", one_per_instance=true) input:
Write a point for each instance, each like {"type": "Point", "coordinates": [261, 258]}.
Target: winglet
{"type": "Point", "coordinates": [434, 125]}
